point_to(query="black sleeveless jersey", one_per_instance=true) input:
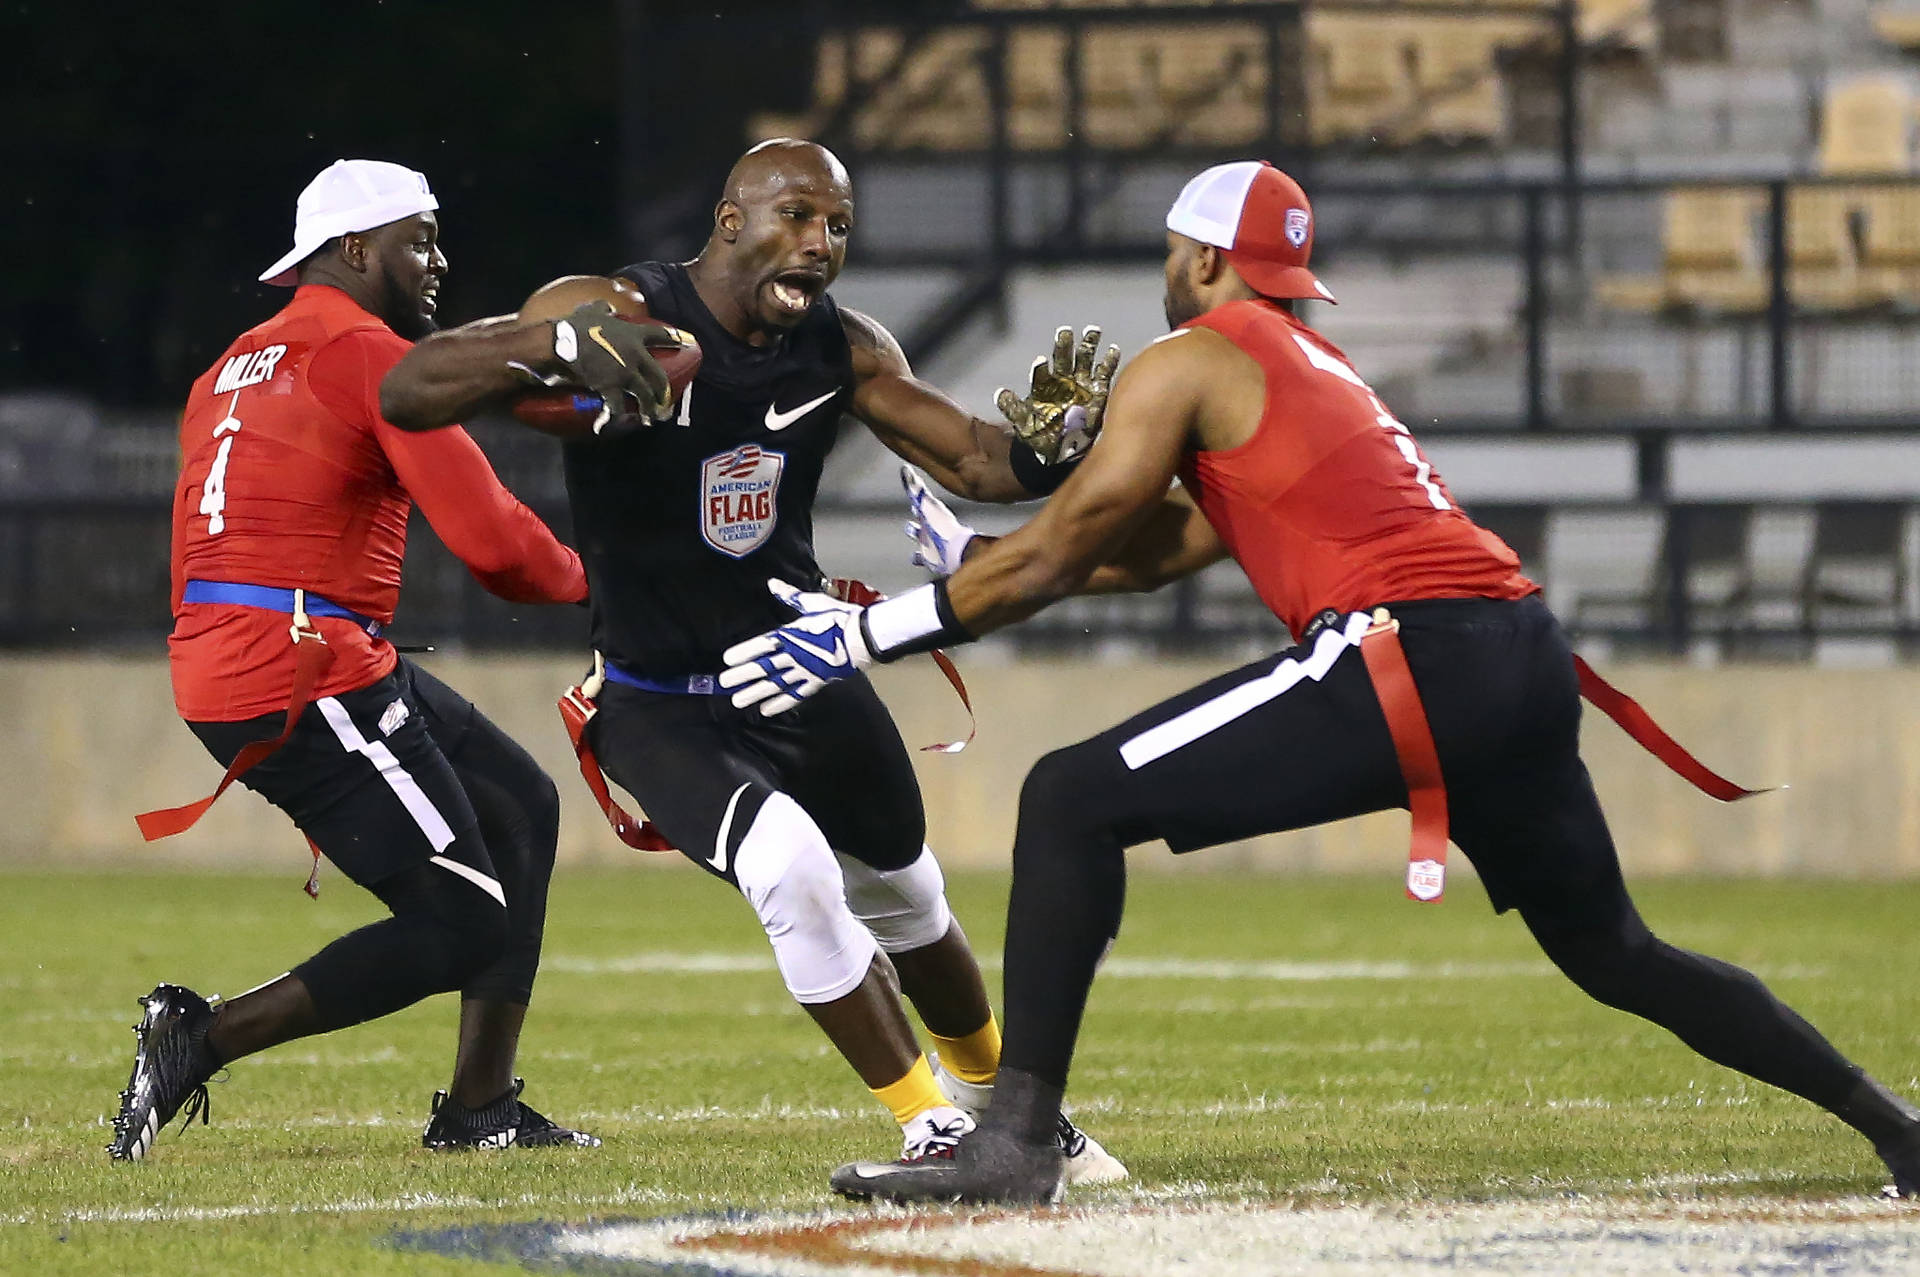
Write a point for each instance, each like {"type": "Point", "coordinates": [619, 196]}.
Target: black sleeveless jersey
{"type": "Point", "coordinates": [681, 524]}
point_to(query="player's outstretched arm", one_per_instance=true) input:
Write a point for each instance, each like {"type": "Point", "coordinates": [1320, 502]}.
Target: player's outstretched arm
{"type": "Point", "coordinates": [1121, 482]}
{"type": "Point", "coordinates": [505, 545]}
{"type": "Point", "coordinates": [451, 375]}
{"type": "Point", "coordinates": [966, 455]}
{"type": "Point", "coordinates": [1098, 511]}
{"type": "Point", "coordinates": [1173, 541]}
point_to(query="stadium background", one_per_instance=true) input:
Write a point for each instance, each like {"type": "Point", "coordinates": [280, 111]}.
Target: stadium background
{"type": "Point", "coordinates": [1642, 275]}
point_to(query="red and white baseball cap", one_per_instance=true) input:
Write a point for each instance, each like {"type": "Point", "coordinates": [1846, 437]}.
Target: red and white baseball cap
{"type": "Point", "coordinates": [1260, 219]}
{"type": "Point", "coordinates": [349, 196]}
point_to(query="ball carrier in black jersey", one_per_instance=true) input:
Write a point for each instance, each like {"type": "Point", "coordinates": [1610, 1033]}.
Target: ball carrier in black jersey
{"type": "Point", "coordinates": [815, 817]}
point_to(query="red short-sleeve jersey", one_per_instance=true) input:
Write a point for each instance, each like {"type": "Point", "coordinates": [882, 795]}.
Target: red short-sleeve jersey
{"type": "Point", "coordinates": [290, 477]}
{"type": "Point", "coordinates": [1331, 503]}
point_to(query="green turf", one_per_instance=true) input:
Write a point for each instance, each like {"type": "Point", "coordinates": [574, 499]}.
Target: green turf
{"type": "Point", "coordinates": [1495, 1079]}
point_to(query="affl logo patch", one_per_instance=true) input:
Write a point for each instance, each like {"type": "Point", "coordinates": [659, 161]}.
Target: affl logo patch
{"type": "Point", "coordinates": [739, 498]}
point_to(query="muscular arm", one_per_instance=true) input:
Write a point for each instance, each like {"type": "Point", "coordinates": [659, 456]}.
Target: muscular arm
{"type": "Point", "coordinates": [964, 454]}
{"type": "Point", "coordinates": [453, 374]}
{"type": "Point", "coordinates": [1172, 541]}
{"type": "Point", "coordinates": [504, 544]}
{"type": "Point", "coordinates": [1097, 514]}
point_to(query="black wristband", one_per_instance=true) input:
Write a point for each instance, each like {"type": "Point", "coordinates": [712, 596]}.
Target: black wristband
{"type": "Point", "coordinates": [1035, 475]}
{"type": "Point", "coordinates": [918, 621]}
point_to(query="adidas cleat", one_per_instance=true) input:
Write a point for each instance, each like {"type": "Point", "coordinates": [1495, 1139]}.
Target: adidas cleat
{"type": "Point", "coordinates": [505, 1123]}
{"type": "Point", "coordinates": [171, 1066]}
{"type": "Point", "coordinates": [1086, 1161]}
{"type": "Point", "coordinates": [986, 1166]}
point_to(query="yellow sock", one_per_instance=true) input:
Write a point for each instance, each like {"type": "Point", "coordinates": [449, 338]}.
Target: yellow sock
{"type": "Point", "coordinates": [974, 1058]}
{"type": "Point", "coordinates": [913, 1094]}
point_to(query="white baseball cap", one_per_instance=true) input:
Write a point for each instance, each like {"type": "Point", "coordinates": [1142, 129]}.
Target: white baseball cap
{"type": "Point", "coordinates": [349, 196]}
{"type": "Point", "coordinates": [1260, 220]}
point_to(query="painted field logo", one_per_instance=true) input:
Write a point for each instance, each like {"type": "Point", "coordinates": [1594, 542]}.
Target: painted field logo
{"type": "Point", "coordinates": [1225, 1239]}
{"type": "Point", "coordinates": [739, 498]}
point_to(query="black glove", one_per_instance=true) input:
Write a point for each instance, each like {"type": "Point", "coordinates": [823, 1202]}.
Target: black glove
{"type": "Point", "coordinates": [609, 357]}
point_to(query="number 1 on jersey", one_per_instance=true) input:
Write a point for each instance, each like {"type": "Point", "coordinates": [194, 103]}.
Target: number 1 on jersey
{"type": "Point", "coordinates": [1402, 437]}
{"type": "Point", "coordinates": [213, 495]}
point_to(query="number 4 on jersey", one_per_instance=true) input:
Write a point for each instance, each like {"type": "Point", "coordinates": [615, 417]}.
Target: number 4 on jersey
{"type": "Point", "coordinates": [1402, 437]}
{"type": "Point", "coordinates": [213, 495]}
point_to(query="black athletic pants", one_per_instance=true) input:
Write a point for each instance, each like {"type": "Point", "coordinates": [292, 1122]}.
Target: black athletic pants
{"type": "Point", "coordinates": [416, 796]}
{"type": "Point", "coordinates": [1298, 740]}
{"type": "Point", "coordinates": [698, 767]}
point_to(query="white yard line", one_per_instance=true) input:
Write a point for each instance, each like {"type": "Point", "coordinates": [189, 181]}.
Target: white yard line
{"type": "Point", "coordinates": [403, 1204]}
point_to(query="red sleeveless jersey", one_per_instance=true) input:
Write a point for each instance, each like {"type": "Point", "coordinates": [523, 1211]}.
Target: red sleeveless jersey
{"type": "Point", "coordinates": [1331, 504]}
{"type": "Point", "coordinates": [289, 477]}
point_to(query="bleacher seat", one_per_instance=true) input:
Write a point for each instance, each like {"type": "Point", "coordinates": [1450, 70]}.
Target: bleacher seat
{"type": "Point", "coordinates": [1359, 82]}
{"type": "Point", "coordinates": [1822, 272]}
{"type": "Point", "coordinates": [1600, 565]}
{"type": "Point", "coordinates": [1899, 27]}
{"type": "Point", "coordinates": [1711, 254]}
{"type": "Point", "coordinates": [1890, 243]}
{"type": "Point", "coordinates": [1856, 580]}
{"type": "Point", "coordinates": [1036, 98]}
{"type": "Point", "coordinates": [1715, 556]}
{"type": "Point", "coordinates": [1779, 553]}
{"type": "Point", "coordinates": [1866, 127]}
{"type": "Point", "coordinates": [1618, 24]}
{"type": "Point", "coordinates": [1458, 80]}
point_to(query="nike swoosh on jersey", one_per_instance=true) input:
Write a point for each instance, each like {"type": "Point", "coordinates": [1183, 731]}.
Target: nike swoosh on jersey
{"type": "Point", "coordinates": [835, 655]}
{"type": "Point", "coordinates": [781, 420]}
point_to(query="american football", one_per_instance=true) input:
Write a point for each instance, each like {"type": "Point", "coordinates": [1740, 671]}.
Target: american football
{"type": "Point", "coordinates": [568, 410]}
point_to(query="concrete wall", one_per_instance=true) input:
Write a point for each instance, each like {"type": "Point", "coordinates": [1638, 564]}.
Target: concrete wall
{"type": "Point", "coordinates": [90, 741]}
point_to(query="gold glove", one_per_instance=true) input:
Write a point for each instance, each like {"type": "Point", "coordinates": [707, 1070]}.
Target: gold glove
{"type": "Point", "coordinates": [1060, 415]}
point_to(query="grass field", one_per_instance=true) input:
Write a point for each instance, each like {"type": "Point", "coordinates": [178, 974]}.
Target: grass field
{"type": "Point", "coordinates": [1316, 1042]}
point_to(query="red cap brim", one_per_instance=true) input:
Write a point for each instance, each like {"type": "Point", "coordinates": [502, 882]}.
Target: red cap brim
{"type": "Point", "coordinates": [1276, 279]}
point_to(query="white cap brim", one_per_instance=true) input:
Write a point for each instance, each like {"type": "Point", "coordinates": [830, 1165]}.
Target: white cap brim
{"type": "Point", "coordinates": [286, 272]}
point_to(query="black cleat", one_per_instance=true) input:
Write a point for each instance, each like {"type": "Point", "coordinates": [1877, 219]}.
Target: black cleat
{"type": "Point", "coordinates": [505, 1123]}
{"type": "Point", "coordinates": [171, 1066]}
{"type": "Point", "coordinates": [988, 1166]}
{"type": "Point", "coordinates": [1903, 1162]}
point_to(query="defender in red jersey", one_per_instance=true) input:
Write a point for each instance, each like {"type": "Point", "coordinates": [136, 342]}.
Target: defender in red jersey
{"type": "Point", "coordinates": [290, 523]}
{"type": "Point", "coordinates": [1428, 671]}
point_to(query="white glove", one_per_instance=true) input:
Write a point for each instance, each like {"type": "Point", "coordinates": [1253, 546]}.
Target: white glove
{"type": "Point", "coordinates": [939, 539]}
{"type": "Point", "coordinates": [779, 669]}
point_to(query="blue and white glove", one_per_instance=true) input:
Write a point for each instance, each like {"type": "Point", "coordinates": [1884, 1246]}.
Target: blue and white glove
{"type": "Point", "coordinates": [779, 669]}
{"type": "Point", "coordinates": [940, 540]}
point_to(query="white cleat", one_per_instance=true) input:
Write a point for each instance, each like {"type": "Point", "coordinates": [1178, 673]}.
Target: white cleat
{"type": "Point", "coordinates": [1086, 1161]}
{"type": "Point", "coordinates": [933, 1134]}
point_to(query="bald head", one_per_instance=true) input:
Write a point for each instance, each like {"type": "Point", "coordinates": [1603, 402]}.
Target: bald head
{"type": "Point", "coordinates": [779, 161]}
{"type": "Point", "coordinates": [779, 236]}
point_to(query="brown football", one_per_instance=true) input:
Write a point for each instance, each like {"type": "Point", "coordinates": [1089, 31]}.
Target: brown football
{"type": "Point", "coordinates": [570, 411]}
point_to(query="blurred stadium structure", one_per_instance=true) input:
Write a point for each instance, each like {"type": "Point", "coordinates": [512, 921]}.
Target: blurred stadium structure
{"type": "Point", "coordinates": [1642, 275]}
